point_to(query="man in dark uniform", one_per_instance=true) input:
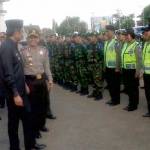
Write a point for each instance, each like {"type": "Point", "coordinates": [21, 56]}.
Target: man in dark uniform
{"type": "Point", "coordinates": [2, 90]}
{"type": "Point", "coordinates": [12, 76]}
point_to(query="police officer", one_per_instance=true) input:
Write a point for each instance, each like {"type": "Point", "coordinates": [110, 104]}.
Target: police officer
{"type": "Point", "coordinates": [112, 66]}
{"type": "Point", "coordinates": [146, 67]}
{"type": "Point", "coordinates": [130, 59]}
{"type": "Point", "coordinates": [39, 79]}
{"type": "Point", "coordinates": [13, 78]}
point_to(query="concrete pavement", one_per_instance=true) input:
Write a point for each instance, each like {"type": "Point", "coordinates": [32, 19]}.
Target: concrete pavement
{"type": "Point", "coordinates": [84, 124]}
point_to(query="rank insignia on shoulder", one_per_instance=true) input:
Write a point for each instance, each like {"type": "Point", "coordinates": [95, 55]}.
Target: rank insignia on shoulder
{"type": "Point", "coordinates": [41, 52]}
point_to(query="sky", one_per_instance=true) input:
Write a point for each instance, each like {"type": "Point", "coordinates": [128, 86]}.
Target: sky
{"type": "Point", "coordinates": [42, 12]}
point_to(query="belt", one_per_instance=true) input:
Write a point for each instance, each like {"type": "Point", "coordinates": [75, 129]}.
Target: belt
{"type": "Point", "coordinates": [35, 77]}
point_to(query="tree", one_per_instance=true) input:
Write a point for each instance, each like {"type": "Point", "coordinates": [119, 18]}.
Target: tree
{"type": "Point", "coordinates": [54, 26]}
{"type": "Point", "coordinates": [31, 27]}
{"type": "Point", "coordinates": [127, 21]}
{"type": "Point", "coordinates": [123, 22]}
{"type": "Point", "coordinates": [47, 31]}
{"type": "Point", "coordinates": [70, 25]}
{"type": "Point", "coordinates": [145, 16]}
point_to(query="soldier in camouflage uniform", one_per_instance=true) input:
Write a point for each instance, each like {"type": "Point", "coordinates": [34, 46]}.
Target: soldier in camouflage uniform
{"type": "Point", "coordinates": [95, 67]}
{"type": "Point", "coordinates": [72, 64]}
{"type": "Point", "coordinates": [51, 46]}
{"type": "Point", "coordinates": [66, 61]}
{"type": "Point", "coordinates": [81, 65]}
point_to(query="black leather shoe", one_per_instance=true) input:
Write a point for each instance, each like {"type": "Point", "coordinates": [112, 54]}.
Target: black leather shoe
{"type": "Point", "coordinates": [146, 115]}
{"type": "Point", "coordinates": [126, 108]}
{"type": "Point", "coordinates": [132, 108]}
{"type": "Point", "coordinates": [98, 98]}
{"type": "Point", "coordinates": [44, 129]}
{"type": "Point", "coordinates": [114, 104]}
{"type": "Point", "coordinates": [51, 117]}
{"type": "Point", "coordinates": [38, 146]}
{"type": "Point", "coordinates": [2, 106]}
{"type": "Point", "coordinates": [38, 135]}
{"type": "Point", "coordinates": [84, 93]}
{"type": "Point", "coordinates": [0, 118]}
{"type": "Point", "coordinates": [90, 96]}
{"type": "Point", "coordinates": [109, 102]}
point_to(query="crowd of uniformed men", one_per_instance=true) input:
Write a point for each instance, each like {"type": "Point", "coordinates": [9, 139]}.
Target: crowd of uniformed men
{"type": "Point", "coordinates": [80, 63]}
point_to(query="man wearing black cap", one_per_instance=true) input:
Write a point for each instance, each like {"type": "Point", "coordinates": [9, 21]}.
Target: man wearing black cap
{"type": "Point", "coordinates": [131, 69]}
{"type": "Point", "coordinates": [112, 66]}
{"type": "Point", "coordinates": [146, 67]}
{"type": "Point", "coordinates": [13, 78]}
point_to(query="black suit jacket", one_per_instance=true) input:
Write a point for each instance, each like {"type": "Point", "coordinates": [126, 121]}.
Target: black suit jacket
{"type": "Point", "coordinates": [12, 73]}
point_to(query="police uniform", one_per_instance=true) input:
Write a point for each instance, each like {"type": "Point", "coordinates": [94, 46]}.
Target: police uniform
{"type": "Point", "coordinates": [130, 68]}
{"type": "Point", "coordinates": [37, 71]}
{"type": "Point", "coordinates": [146, 68]}
{"type": "Point", "coordinates": [111, 63]}
{"type": "Point", "coordinates": [13, 78]}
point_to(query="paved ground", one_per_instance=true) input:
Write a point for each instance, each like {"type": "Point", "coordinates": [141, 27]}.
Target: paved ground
{"type": "Point", "coordinates": [84, 124]}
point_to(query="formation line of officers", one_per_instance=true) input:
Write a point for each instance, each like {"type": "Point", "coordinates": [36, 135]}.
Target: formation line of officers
{"type": "Point", "coordinates": [82, 62]}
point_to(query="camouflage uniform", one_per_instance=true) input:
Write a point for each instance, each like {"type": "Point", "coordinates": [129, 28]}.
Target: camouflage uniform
{"type": "Point", "coordinates": [95, 66]}
{"type": "Point", "coordinates": [81, 67]}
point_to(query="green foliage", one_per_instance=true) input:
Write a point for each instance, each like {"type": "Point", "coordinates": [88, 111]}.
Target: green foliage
{"type": "Point", "coordinates": [146, 14]}
{"type": "Point", "coordinates": [124, 22]}
{"type": "Point", "coordinates": [70, 25]}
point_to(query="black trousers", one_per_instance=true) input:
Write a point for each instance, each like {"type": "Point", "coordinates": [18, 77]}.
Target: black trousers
{"type": "Point", "coordinates": [113, 82]}
{"type": "Point", "coordinates": [15, 114]}
{"type": "Point", "coordinates": [2, 101]}
{"type": "Point", "coordinates": [147, 89]}
{"type": "Point", "coordinates": [48, 101]}
{"type": "Point", "coordinates": [132, 86]}
{"type": "Point", "coordinates": [2, 96]}
{"type": "Point", "coordinates": [38, 100]}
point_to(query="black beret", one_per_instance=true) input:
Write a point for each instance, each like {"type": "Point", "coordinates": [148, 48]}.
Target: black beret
{"type": "Point", "coordinates": [130, 32]}
{"type": "Point", "coordinates": [13, 25]}
{"type": "Point", "coordinates": [110, 27]}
